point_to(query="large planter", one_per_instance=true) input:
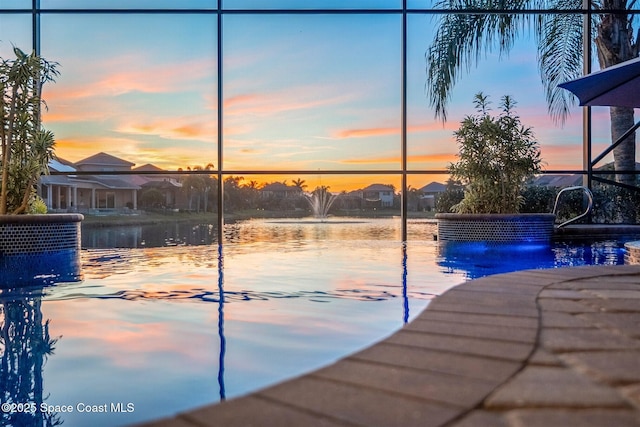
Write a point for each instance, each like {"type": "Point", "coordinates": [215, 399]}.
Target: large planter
{"type": "Point", "coordinates": [39, 249]}
{"type": "Point", "coordinates": [632, 255]}
{"type": "Point", "coordinates": [522, 228]}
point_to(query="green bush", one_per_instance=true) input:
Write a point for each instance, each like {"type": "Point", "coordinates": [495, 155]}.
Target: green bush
{"type": "Point", "coordinates": [37, 205]}
{"type": "Point", "coordinates": [497, 155]}
{"type": "Point", "coordinates": [453, 194]}
{"type": "Point", "coordinates": [611, 204]}
{"type": "Point", "coordinates": [538, 199]}
{"type": "Point", "coordinates": [615, 204]}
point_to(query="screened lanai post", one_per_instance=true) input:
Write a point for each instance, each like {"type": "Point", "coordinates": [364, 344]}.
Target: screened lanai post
{"type": "Point", "coordinates": [403, 199]}
{"type": "Point", "coordinates": [587, 164]}
{"type": "Point", "coordinates": [221, 336]}
{"type": "Point", "coordinates": [220, 194]}
{"type": "Point", "coordinates": [35, 26]}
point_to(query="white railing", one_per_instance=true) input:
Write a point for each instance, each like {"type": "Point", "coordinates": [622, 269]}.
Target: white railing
{"type": "Point", "coordinates": [589, 195]}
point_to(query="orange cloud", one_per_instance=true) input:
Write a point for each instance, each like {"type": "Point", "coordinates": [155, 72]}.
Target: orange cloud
{"type": "Point", "coordinates": [360, 133]}
{"type": "Point", "coordinates": [200, 128]}
{"type": "Point", "coordinates": [239, 99]}
{"type": "Point", "coordinates": [90, 93]}
{"type": "Point", "coordinates": [288, 99]}
{"type": "Point", "coordinates": [444, 158]}
{"type": "Point", "coordinates": [381, 131]}
{"type": "Point", "coordinates": [116, 76]}
{"type": "Point", "coordinates": [74, 149]}
{"type": "Point", "coordinates": [368, 161]}
{"type": "Point", "coordinates": [251, 151]}
{"type": "Point", "coordinates": [568, 156]}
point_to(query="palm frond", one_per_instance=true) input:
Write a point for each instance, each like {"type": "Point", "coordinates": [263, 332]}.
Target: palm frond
{"type": "Point", "coordinates": [463, 39]}
{"type": "Point", "coordinates": [560, 57]}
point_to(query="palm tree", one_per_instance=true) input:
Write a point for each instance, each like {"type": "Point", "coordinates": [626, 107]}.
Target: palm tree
{"type": "Point", "coordinates": [462, 39]}
{"type": "Point", "coordinates": [300, 183]}
{"type": "Point", "coordinates": [199, 185]}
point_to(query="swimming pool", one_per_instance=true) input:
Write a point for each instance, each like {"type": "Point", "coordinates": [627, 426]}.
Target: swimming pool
{"type": "Point", "coordinates": [152, 331]}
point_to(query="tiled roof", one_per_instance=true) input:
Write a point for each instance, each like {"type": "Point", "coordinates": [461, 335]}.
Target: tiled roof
{"type": "Point", "coordinates": [378, 187]}
{"type": "Point", "coordinates": [434, 187]}
{"type": "Point", "coordinates": [105, 159]}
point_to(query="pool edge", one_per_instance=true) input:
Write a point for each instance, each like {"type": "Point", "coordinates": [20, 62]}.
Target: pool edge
{"type": "Point", "coordinates": [444, 369]}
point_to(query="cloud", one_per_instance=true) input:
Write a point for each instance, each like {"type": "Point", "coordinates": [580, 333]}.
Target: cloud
{"type": "Point", "coordinates": [80, 147]}
{"type": "Point", "coordinates": [240, 99]}
{"type": "Point", "coordinates": [442, 158]}
{"type": "Point", "coordinates": [285, 100]}
{"type": "Point", "coordinates": [362, 133]}
{"type": "Point", "coordinates": [125, 74]}
{"type": "Point", "coordinates": [136, 151]}
{"type": "Point", "coordinates": [383, 131]}
{"type": "Point", "coordinates": [566, 156]}
{"type": "Point", "coordinates": [200, 128]}
{"type": "Point", "coordinates": [251, 151]}
{"type": "Point", "coordinates": [373, 161]}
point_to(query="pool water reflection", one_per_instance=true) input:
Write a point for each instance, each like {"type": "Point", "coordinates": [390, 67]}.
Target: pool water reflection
{"type": "Point", "coordinates": [167, 329]}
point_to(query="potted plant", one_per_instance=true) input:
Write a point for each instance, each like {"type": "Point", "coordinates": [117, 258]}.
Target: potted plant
{"type": "Point", "coordinates": [497, 155]}
{"type": "Point", "coordinates": [40, 242]}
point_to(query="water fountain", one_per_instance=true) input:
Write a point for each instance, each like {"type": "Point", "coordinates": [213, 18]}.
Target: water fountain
{"type": "Point", "coordinates": [320, 201]}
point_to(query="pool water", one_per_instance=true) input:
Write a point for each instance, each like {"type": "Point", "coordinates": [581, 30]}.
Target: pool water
{"type": "Point", "coordinates": [152, 331]}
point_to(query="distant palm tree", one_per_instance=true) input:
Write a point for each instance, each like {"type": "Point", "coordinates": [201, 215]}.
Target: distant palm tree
{"type": "Point", "coordinates": [300, 183]}
{"type": "Point", "coordinates": [462, 38]}
{"type": "Point", "coordinates": [199, 185]}
{"type": "Point", "coordinates": [253, 185]}
{"type": "Point", "coordinates": [413, 198]}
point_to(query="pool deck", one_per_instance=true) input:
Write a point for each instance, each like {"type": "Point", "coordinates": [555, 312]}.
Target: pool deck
{"type": "Point", "coordinates": [558, 347]}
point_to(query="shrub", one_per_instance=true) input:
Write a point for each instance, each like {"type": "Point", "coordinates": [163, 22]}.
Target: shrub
{"type": "Point", "coordinates": [497, 155]}
{"type": "Point", "coordinates": [453, 194]}
{"type": "Point", "coordinates": [37, 205]}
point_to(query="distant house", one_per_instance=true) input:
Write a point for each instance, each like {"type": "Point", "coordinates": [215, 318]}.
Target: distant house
{"type": "Point", "coordinates": [351, 200]}
{"type": "Point", "coordinates": [429, 194]}
{"type": "Point", "coordinates": [103, 162]}
{"type": "Point", "coordinates": [168, 186]}
{"type": "Point", "coordinates": [378, 194]}
{"type": "Point", "coordinates": [79, 192]}
{"type": "Point", "coordinates": [107, 191]}
{"type": "Point", "coordinates": [279, 190]}
{"type": "Point", "coordinates": [433, 189]}
{"type": "Point", "coordinates": [60, 192]}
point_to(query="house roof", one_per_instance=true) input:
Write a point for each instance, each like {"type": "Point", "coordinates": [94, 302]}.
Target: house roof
{"type": "Point", "coordinates": [161, 184]}
{"type": "Point", "coordinates": [279, 186]}
{"type": "Point", "coordinates": [105, 159]}
{"type": "Point", "coordinates": [434, 187]}
{"type": "Point", "coordinates": [378, 187]}
{"type": "Point", "coordinates": [61, 165]}
{"type": "Point", "coordinates": [55, 179]}
{"type": "Point", "coordinates": [557, 180]}
{"type": "Point", "coordinates": [148, 168]}
{"type": "Point", "coordinates": [115, 182]}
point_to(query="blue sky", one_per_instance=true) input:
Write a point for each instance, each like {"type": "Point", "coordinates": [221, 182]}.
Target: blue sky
{"type": "Point", "coordinates": [314, 92]}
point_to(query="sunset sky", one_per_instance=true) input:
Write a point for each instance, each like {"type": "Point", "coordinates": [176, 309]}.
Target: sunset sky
{"type": "Point", "coordinates": [301, 92]}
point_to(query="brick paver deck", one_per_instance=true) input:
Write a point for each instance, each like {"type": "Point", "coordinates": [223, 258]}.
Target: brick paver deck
{"type": "Point", "coordinates": [556, 347]}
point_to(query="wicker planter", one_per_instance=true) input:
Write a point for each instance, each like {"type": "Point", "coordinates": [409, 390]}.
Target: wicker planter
{"type": "Point", "coordinates": [632, 256]}
{"type": "Point", "coordinates": [524, 228]}
{"type": "Point", "coordinates": [39, 249]}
